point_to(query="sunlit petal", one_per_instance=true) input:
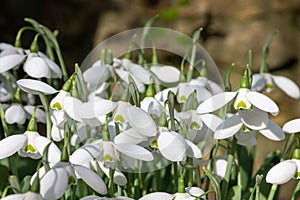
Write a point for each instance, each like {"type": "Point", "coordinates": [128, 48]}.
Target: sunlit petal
{"type": "Point", "coordinates": [292, 126]}
{"type": "Point", "coordinates": [40, 114]}
{"type": "Point", "coordinates": [157, 195]}
{"type": "Point", "coordinates": [15, 114]}
{"type": "Point", "coordinates": [287, 86]}
{"type": "Point", "coordinates": [34, 86]}
{"type": "Point", "coordinates": [14, 197]}
{"type": "Point", "coordinates": [11, 144]}
{"type": "Point", "coordinates": [194, 191]}
{"type": "Point", "coordinates": [258, 82]}
{"type": "Point", "coordinates": [215, 102]}
{"type": "Point", "coordinates": [54, 183]}
{"type": "Point", "coordinates": [72, 107]}
{"type": "Point", "coordinates": [263, 102]}
{"type": "Point", "coordinates": [229, 127]}
{"type": "Point", "coordinates": [193, 150]}
{"type": "Point", "coordinates": [172, 146]}
{"type": "Point", "coordinates": [241, 101]}
{"type": "Point", "coordinates": [10, 61]}
{"type": "Point", "coordinates": [119, 177]}
{"type": "Point", "coordinates": [85, 154]}
{"type": "Point", "coordinates": [91, 178]}
{"type": "Point", "coordinates": [97, 74]}
{"type": "Point", "coordinates": [140, 73]}
{"type": "Point", "coordinates": [211, 121]}
{"type": "Point", "coordinates": [36, 67]}
{"type": "Point", "coordinates": [54, 68]}
{"type": "Point", "coordinates": [134, 151]}
{"type": "Point", "coordinates": [220, 167]}
{"type": "Point", "coordinates": [282, 172]}
{"type": "Point", "coordinates": [129, 136]}
{"type": "Point", "coordinates": [166, 74]}
{"type": "Point", "coordinates": [124, 76]}
{"type": "Point", "coordinates": [141, 121]}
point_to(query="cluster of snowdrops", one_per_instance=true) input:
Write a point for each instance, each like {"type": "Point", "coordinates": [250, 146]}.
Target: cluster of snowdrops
{"type": "Point", "coordinates": [125, 129]}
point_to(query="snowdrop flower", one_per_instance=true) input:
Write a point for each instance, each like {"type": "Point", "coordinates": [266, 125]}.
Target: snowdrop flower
{"type": "Point", "coordinates": [15, 114]}
{"type": "Point", "coordinates": [292, 126]}
{"type": "Point", "coordinates": [25, 196]}
{"type": "Point", "coordinates": [35, 87]}
{"type": "Point", "coordinates": [40, 114]}
{"type": "Point", "coordinates": [92, 197]}
{"type": "Point", "coordinates": [56, 181]}
{"type": "Point", "coordinates": [30, 144]}
{"type": "Point", "coordinates": [191, 194]}
{"type": "Point", "coordinates": [234, 125]}
{"type": "Point", "coordinates": [166, 74]}
{"type": "Point", "coordinates": [266, 81]}
{"type": "Point", "coordinates": [10, 57]}
{"type": "Point", "coordinates": [286, 170]}
{"type": "Point", "coordinates": [152, 106]}
{"type": "Point", "coordinates": [244, 100]}
{"type": "Point", "coordinates": [38, 65]}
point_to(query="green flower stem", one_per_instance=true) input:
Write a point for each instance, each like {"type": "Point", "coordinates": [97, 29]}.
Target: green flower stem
{"type": "Point", "coordinates": [111, 189]}
{"type": "Point", "coordinates": [175, 174]}
{"type": "Point", "coordinates": [61, 62]}
{"type": "Point", "coordinates": [19, 34]}
{"type": "Point", "coordinates": [272, 192]}
{"type": "Point", "coordinates": [46, 104]}
{"type": "Point", "coordinates": [228, 168]}
{"type": "Point", "coordinates": [3, 121]}
{"type": "Point", "coordinates": [213, 158]}
{"type": "Point", "coordinates": [9, 83]}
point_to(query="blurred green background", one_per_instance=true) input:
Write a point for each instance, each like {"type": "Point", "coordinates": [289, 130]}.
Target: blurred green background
{"type": "Point", "coordinates": [231, 28]}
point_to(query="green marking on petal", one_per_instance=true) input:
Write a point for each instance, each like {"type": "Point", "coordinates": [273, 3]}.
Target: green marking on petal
{"type": "Point", "coordinates": [119, 118]}
{"type": "Point", "coordinates": [71, 180]}
{"type": "Point", "coordinates": [154, 144]}
{"type": "Point", "coordinates": [107, 157]}
{"type": "Point", "coordinates": [246, 129]}
{"type": "Point", "coordinates": [194, 125]}
{"type": "Point", "coordinates": [241, 105]}
{"type": "Point", "coordinates": [269, 86]}
{"type": "Point", "coordinates": [57, 106]}
{"type": "Point", "coordinates": [29, 148]}
{"type": "Point", "coordinates": [182, 98]}
{"type": "Point", "coordinates": [297, 175]}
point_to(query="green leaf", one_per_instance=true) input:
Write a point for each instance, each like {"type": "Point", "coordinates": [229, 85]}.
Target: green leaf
{"type": "Point", "coordinates": [245, 165]}
{"type": "Point", "coordinates": [134, 91]}
{"type": "Point", "coordinates": [214, 182]}
{"type": "Point", "coordinates": [80, 83]}
{"type": "Point", "coordinates": [235, 192]}
{"type": "Point", "coordinates": [26, 183]}
{"type": "Point", "coordinates": [168, 14]}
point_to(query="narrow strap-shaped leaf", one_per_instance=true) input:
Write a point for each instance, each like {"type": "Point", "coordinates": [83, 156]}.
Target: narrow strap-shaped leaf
{"type": "Point", "coordinates": [214, 182]}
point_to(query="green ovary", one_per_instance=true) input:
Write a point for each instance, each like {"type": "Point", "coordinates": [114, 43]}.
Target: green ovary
{"type": "Point", "coordinates": [194, 125]}
{"type": "Point", "coordinates": [72, 180]}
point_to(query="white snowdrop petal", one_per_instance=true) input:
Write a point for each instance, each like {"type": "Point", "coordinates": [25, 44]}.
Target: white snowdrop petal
{"type": "Point", "coordinates": [273, 132]}
{"type": "Point", "coordinates": [140, 73]}
{"type": "Point", "coordinates": [220, 167]}
{"type": "Point", "coordinates": [215, 102]}
{"type": "Point", "coordinates": [229, 127]}
{"type": "Point", "coordinates": [119, 177]}
{"type": "Point", "coordinates": [263, 102]}
{"type": "Point", "coordinates": [287, 86]}
{"type": "Point", "coordinates": [40, 143]}
{"type": "Point", "coordinates": [10, 61]}
{"type": "Point", "coordinates": [124, 76]}
{"type": "Point", "coordinates": [36, 67]}
{"type": "Point", "coordinates": [282, 172]}
{"type": "Point", "coordinates": [15, 114]}
{"type": "Point", "coordinates": [54, 183]}
{"type": "Point", "coordinates": [72, 107]}
{"type": "Point", "coordinates": [292, 126]}
{"type": "Point", "coordinates": [40, 114]}
{"type": "Point", "coordinates": [157, 195]}
{"type": "Point", "coordinates": [255, 119]}
{"type": "Point", "coordinates": [14, 197]}
{"type": "Point", "coordinates": [258, 82]}
{"type": "Point", "coordinates": [134, 151]}
{"type": "Point", "coordinates": [96, 108]}
{"type": "Point", "coordinates": [54, 68]}
{"type": "Point", "coordinates": [152, 106]}
{"type": "Point", "coordinates": [91, 178]}
{"type": "Point", "coordinates": [193, 150]}
{"type": "Point", "coordinates": [11, 144]}
{"type": "Point", "coordinates": [166, 74]}
{"type": "Point", "coordinates": [124, 137]}
{"type": "Point", "coordinates": [141, 121]}
{"type": "Point", "coordinates": [172, 146]}
{"type": "Point", "coordinates": [34, 86]}
{"type": "Point", "coordinates": [85, 154]}
{"type": "Point", "coordinates": [96, 74]}
{"type": "Point", "coordinates": [194, 191]}
{"type": "Point", "coordinates": [162, 96]}
{"type": "Point", "coordinates": [211, 121]}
